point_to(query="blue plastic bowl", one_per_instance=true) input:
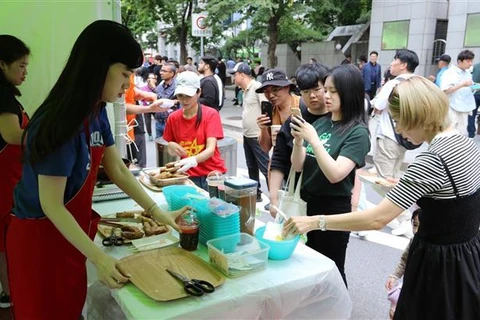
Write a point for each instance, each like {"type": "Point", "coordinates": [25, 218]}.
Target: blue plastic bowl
{"type": "Point", "coordinates": [279, 250]}
{"type": "Point", "coordinates": [176, 196]}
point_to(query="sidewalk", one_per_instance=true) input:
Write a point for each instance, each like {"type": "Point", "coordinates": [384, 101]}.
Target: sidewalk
{"type": "Point", "coordinates": [232, 120]}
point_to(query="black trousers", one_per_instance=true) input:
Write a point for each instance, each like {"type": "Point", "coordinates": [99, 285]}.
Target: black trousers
{"type": "Point", "coordinates": [373, 91]}
{"type": "Point", "coordinates": [256, 158]}
{"type": "Point", "coordinates": [332, 244]}
{"type": "Point", "coordinates": [148, 121]}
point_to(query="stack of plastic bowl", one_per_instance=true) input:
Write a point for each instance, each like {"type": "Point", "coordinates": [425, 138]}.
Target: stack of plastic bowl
{"type": "Point", "coordinates": [177, 196]}
{"type": "Point", "coordinates": [279, 250]}
{"type": "Point", "coordinates": [213, 226]}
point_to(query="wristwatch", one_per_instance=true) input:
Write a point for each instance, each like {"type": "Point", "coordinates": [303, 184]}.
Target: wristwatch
{"type": "Point", "coordinates": [322, 224]}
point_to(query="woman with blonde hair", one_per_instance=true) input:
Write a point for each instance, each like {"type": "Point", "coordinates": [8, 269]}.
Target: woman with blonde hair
{"type": "Point", "coordinates": [442, 275]}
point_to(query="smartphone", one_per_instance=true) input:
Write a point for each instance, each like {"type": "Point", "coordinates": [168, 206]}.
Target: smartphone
{"type": "Point", "coordinates": [267, 109]}
{"type": "Point", "coordinates": [296, 112]}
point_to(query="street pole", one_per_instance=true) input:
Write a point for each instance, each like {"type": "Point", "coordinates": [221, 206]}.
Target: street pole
{"type": "Point", "coordinates": [201, 46]}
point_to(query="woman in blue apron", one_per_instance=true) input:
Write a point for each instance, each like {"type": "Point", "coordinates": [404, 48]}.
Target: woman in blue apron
{"type": "Point", "coordinates": [53, 224]}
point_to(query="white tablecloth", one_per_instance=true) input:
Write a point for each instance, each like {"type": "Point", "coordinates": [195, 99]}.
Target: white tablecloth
{"type": "Point", "coordinates": [306, 286]}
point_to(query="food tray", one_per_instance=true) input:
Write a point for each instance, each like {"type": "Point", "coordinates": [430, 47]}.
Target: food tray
{"type": "Point", "coordinates": [145, 181]}
{"type": "Point", "coordinates": [106, 231]}
{"type": "Point", "coordinates": [148, 272]}
{"type": "Point", "coordinates": [164, 182]}
{"type": "Point", "coordinates": [379, 185]}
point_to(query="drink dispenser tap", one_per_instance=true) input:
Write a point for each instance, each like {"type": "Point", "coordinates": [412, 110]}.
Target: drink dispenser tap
{"type": "Point", "coordinates": [243, 193]}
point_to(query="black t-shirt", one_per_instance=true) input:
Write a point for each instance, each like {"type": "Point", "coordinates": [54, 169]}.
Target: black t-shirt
{"type": "Point", "coordinates": [9, 104]}
{"type": "Point", "coordinates": [284, 142]}
{"type": "Point", "coordinates": [210, 95]}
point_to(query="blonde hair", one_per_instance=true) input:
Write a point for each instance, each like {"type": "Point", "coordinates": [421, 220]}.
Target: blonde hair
{"type": "Point", "coordinates": [418, 103]}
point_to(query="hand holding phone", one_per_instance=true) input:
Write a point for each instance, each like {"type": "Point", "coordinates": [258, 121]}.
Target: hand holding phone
{"type": "Point", "coordinates": [267, 109]}
{"type": "Point", "coordinates": [296, 112]}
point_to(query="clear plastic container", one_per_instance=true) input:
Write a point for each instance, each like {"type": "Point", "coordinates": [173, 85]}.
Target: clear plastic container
{"type": "Point", "coordinates": [243, 193]}
{"type": "Point", "coordinates": [238, 254]}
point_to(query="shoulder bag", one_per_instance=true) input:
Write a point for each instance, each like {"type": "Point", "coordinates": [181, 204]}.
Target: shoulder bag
{"type": "Point", "coordinates": [289, 200]}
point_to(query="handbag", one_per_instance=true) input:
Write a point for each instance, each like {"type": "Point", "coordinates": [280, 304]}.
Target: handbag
{"type": "Point", "coordinates": [289, 200]}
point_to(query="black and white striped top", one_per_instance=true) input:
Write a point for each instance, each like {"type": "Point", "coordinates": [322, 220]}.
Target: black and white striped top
{"type": "Point", "coordinates": [427, 177]}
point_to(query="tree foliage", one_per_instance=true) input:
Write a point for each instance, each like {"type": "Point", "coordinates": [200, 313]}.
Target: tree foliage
{"type": "Point", "coordinates": [272, 21]}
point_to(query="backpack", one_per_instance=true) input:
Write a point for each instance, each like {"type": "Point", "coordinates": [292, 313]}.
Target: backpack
{"type": "Point", "coordinates": [400, 139]}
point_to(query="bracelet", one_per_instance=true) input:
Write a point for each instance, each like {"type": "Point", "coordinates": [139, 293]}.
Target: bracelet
{"type": "Point", "coordinates": [298, 144]}
{"type": "Point", "coordinates": [393, 276]}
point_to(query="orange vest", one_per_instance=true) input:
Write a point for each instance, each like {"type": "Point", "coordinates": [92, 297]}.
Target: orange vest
{"type": "Point", "coordinates": [130, 98]}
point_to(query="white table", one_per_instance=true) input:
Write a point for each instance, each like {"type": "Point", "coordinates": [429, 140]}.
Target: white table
{"type": "Point", "coordinates": [306, 286]}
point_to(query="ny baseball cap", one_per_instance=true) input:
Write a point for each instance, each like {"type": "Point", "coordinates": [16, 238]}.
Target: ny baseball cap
{"type": "Point", "coordinates": [276, 78]}
{"type": "Point", "coordinates": [188, 83]}
{"type": "Point", "coordinates": [444, 57]}
{"type": "Point", "coordinates": [241, 67]}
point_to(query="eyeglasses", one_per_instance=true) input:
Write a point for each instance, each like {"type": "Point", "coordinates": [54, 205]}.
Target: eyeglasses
{"type": "Point", "coordinates": [152, 78]}
{"type": "Point", "coordinates": [163, 70]}
{"type": "Point", "coordinates": [316, 91]}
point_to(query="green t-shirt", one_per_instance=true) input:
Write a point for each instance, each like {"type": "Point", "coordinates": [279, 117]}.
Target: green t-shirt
{"type": "Point", "coordinates": [353, 144]}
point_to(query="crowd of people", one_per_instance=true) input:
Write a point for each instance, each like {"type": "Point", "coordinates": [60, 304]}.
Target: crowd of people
{"type": "Point", "coordinates": [315, 129]}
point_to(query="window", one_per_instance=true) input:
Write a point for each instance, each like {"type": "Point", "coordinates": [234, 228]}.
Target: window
{"type": "Point", "coordinates": [395, 35]}
{"type": "Point", "coordinates": [472, 36]}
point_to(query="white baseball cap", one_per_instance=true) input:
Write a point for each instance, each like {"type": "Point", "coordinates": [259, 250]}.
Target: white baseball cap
{"type": "Point", "coordinates": [188, 83]}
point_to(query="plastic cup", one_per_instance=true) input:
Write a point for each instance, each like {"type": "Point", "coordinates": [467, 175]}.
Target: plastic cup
{"type": "Point", "coordinates": [274, 130]}
{"type": "Point", "coordinates": [214, 180]}
{"type": "Point", "coordinates": [189, 235]}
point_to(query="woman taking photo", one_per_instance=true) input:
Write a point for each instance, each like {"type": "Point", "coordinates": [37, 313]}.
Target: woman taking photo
{"type": "Point", "coordinates": [192, 132]}
{"type": "Point", "coordinates": [14, 56]}
{"type": "Point", "coordinates": [442, 275]}
{"type": "Point", "coordinates": [329, 151]}
{"type": "Point", "coordinates": [51, 231]}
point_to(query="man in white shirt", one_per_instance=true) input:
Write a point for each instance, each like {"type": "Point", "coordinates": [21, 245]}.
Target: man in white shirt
{"type": "Point", "coordinates": [389, 154]}
{"type": "Point", "coordinates": [257, 159]}
{"type": "Point", "coordinates": [456, 82]}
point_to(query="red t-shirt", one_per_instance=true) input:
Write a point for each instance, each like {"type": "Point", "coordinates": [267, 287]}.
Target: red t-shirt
{"type": "Point", "coordinates": [194, 140]}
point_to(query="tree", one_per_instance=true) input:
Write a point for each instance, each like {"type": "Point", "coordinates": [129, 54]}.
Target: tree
{"type": "Point", "coordinates": [266, 13]}
{"type": "Point", "coordinates": [138, 18]}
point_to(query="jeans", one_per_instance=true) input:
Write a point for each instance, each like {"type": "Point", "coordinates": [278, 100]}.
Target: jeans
{"type": "Point", "coordinates": [256, 159]}
{"type": "Point", "coordinates": [471, 118]}
{"type": "Point", "coordinates": [159, 128]}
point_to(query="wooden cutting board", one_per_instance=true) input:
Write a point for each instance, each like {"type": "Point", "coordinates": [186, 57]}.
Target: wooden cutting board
{"type": "Point", "coordinates": [148, 272]}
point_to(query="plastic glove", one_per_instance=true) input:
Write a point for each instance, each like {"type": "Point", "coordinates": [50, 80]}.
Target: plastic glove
{"type": "Point", "coordinates": [186, 164]}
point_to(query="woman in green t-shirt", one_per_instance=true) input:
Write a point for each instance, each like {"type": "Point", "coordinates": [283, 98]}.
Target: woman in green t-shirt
{"type": "Point", "coordinates": [329, 151]}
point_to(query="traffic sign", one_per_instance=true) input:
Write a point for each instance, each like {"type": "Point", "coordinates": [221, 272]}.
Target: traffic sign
{"type": "Point", "coordinates": [199, 29]}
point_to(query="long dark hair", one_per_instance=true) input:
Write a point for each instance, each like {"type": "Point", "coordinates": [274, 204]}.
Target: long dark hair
{"type": "Point", "coordinates": [348, 82]}
{"type": "Point", "coordinates": [11, 50]}
{"type": "Point", "coordinates": [76, 96]}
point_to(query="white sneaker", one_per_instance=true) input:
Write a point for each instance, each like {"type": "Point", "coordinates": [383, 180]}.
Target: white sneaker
{"type": "Point", "coordinates": [402, 229]}
{"type": "Point", "coordinates": [394, 224]}
{"type": "Point", "coordinates": [363, 234]}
